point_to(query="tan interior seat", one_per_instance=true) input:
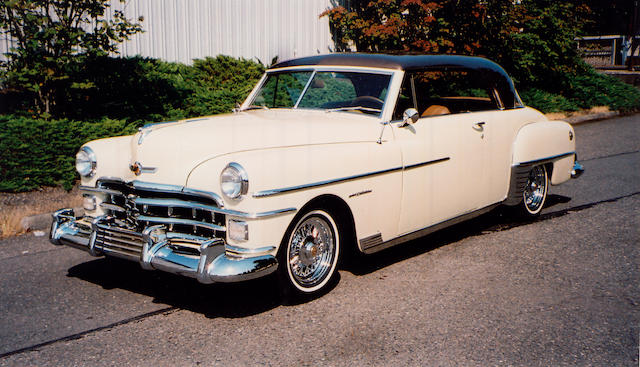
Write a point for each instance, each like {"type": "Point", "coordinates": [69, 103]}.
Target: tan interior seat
{"type": "Point", "coordinates": [435, 110]}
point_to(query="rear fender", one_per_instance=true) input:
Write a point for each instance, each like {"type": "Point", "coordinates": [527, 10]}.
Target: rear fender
{"type": "Point", "coordinates": [551, 143]}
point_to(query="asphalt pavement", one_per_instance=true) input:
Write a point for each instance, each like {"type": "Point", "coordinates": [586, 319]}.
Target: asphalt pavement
{"type": "Point", "coordinates": [562, 290]}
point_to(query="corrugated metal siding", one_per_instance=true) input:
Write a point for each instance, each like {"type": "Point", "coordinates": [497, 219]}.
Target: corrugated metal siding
{"type": "Point", "coordinates": [182, 30]}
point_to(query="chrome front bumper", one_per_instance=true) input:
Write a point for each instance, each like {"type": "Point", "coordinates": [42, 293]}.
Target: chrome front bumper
{"type": "Point", "coordinates": [208, 263]}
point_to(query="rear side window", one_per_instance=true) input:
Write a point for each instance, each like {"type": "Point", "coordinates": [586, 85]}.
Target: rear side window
{"type": "Point", "coordinates": [442, 92]}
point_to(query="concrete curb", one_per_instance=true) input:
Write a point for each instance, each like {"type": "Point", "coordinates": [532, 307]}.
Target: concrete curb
{"type": "Point", "coordinates": [42, 221]}
{"type": "Point", "coordinates": [574, 120]}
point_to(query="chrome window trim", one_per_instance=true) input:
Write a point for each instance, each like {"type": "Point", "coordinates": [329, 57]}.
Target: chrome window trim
{"type": "Point", "coordinates": [325, 68]}
{"type": "Point", "coordinates": [304, 90]}
{"type": "Point", "coordinates": [272, 192]}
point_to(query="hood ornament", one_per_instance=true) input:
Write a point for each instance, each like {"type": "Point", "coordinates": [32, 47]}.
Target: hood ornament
{"type": "Point", "coordinates": [138, 169]}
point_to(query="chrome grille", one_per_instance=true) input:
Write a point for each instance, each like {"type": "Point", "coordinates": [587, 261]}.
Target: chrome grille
{"type": "Point", "coordinates": [134, 208]}
{"type": "Point", "coordinates": [119, 241]}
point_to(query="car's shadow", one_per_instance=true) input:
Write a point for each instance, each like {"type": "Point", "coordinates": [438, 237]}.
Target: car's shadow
{"type": "Point", "coordinates": [212, 300]}
{"type": "Point", "coordinates": [260, 295]}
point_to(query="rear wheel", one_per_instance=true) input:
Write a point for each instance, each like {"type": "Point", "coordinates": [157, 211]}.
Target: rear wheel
{"type": "Point", "coordinates": [535, 191]}
{"type": "Point", "coordinates": [309, 255]}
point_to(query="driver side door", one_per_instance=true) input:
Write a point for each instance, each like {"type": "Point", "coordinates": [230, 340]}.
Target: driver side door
{"type": "Point", "coordinates": [445, 152]}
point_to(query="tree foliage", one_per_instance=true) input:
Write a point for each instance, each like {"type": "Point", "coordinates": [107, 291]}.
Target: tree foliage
{"type": "Point", "coordinates": [534, 40]}
{"type": "Point", "coordinates": [52, 38]}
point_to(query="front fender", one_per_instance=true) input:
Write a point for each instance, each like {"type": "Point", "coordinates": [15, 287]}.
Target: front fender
{"type": "Point", "coordinates": [373, 200]}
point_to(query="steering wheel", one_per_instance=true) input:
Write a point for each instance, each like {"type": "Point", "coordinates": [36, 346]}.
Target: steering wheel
{"type": "Point", "coordinates": [368, 101]}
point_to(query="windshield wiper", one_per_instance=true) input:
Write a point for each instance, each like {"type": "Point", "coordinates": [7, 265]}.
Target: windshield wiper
{"type": "Point", "coordinates": [255, 108]}
{"type": "Point", "coordinates": [354, 108]}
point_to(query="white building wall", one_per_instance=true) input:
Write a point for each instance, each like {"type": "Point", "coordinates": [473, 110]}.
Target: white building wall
{"type": "Point", "coordinates": [183, 30]}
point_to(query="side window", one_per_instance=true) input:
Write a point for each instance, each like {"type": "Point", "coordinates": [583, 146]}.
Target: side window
{"type": "Point", "coordinates": [406, 98]}
{"type": "Point", "coordinates": [442, 92]}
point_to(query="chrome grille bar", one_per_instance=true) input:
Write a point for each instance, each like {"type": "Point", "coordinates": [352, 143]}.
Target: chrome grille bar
{"type": "Point", "coordinates": [189, 222]}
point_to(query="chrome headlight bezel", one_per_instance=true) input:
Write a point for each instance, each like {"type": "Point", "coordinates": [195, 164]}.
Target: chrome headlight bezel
{"type": "Point", "coordinates": [234, 181]}
{"type": "Point", "coordinates": [86, 162]}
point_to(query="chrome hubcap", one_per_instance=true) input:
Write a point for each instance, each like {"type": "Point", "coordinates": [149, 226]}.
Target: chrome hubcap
{"type": "Point", "coordinates": [311, 251]}
{"type": "Point", "coordinates": [534, 191]}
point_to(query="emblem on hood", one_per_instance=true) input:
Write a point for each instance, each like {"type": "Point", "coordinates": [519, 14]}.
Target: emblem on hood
{"type": "Point", "coordinates": [138, 169]}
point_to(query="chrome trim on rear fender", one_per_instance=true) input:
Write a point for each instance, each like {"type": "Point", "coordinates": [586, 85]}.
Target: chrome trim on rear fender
{"type": "Point", "coordinates": [545, 159]}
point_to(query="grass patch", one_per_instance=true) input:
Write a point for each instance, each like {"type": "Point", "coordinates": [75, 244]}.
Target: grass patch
{"type": "Point", "coordinates": [14, 207]}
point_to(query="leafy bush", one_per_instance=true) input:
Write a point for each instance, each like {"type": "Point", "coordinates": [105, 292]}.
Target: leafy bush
{"type": "Point", "coordinates": [144, 89]}
{"type": "Point", "coordinates": [594, 89]}
{"type": "Point", "coordinates": [583, 91]}
{"type": "Point", "coordinates": [39, 153]}
{"type": "Point", "coordinates": [546, 101]}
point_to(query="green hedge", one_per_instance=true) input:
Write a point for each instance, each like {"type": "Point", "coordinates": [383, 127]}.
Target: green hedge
{"type": "Point", "coordinates": [37, 153]}
{"type": "Point", "coordinates": [146, 89]}
{"type": "Point", "coordinates": [585, 90]}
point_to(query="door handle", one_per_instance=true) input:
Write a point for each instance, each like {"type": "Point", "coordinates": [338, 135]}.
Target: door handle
{"type": "Point", "coordinates": [479, 125]}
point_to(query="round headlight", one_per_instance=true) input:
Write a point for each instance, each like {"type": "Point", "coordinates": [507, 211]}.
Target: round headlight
{"type": "Point", "coordinates": [86, 162]}
{"type": "Point", "coordinates": [234, 181]}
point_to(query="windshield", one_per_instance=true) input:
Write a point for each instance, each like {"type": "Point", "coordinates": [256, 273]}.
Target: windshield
{"type": "Point", "coordinates": [324, 90]}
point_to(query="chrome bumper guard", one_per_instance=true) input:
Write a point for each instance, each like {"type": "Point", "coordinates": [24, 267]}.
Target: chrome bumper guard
{"type": "Point", "coordinates": [156, 249]}
{"type": "Point", "coordinates": [577, 170]}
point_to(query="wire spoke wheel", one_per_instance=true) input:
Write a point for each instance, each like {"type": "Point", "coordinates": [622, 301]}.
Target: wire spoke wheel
{"type": "Point", "coordinates": [312, 251]}
{"type": "Point", "coordinates": [535, 191]}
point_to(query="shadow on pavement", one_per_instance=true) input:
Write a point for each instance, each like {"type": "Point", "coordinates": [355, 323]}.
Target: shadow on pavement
{"type": "Point", "coordinates": [260, 295]}
{"type": "Point", "coordinates": [213, 300]}
{"type": "Point", "coordinates": [499, 219]}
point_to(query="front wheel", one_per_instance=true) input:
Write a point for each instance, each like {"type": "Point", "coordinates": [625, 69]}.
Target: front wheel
{"type": "Point", "coordinates": [535, 191]}
{"type": "Point", "coordinates": [309, 259]}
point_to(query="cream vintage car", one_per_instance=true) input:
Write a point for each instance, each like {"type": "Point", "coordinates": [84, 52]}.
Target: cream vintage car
{"type": "Point", "coordinates": [328, 154]}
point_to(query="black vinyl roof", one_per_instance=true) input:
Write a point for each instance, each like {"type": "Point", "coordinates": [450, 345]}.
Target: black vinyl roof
{"type": "Point", "coordinates": [397, 62]}
{"type": "Point", "coordinates": [413, 63]}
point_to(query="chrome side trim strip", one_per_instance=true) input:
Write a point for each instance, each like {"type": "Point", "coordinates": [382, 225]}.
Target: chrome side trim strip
{"type": "Point", "coordinates": [189, 222]}
{"type": "Point", "coordinates": [541, 160]}
{"type": "Point", "coordinates": [265, 193]}
{"type": "Point", "coordinates": [427, 230]}
{"type": "Point", "coordinates": [426, 163]}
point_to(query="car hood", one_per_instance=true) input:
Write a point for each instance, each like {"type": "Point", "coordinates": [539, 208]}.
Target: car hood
{"type": "Point", "coordinates": [174, 149]}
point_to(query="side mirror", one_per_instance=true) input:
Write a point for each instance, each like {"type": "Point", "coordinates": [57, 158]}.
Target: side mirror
{"type": "Point", "coordinates": [410, 117]}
